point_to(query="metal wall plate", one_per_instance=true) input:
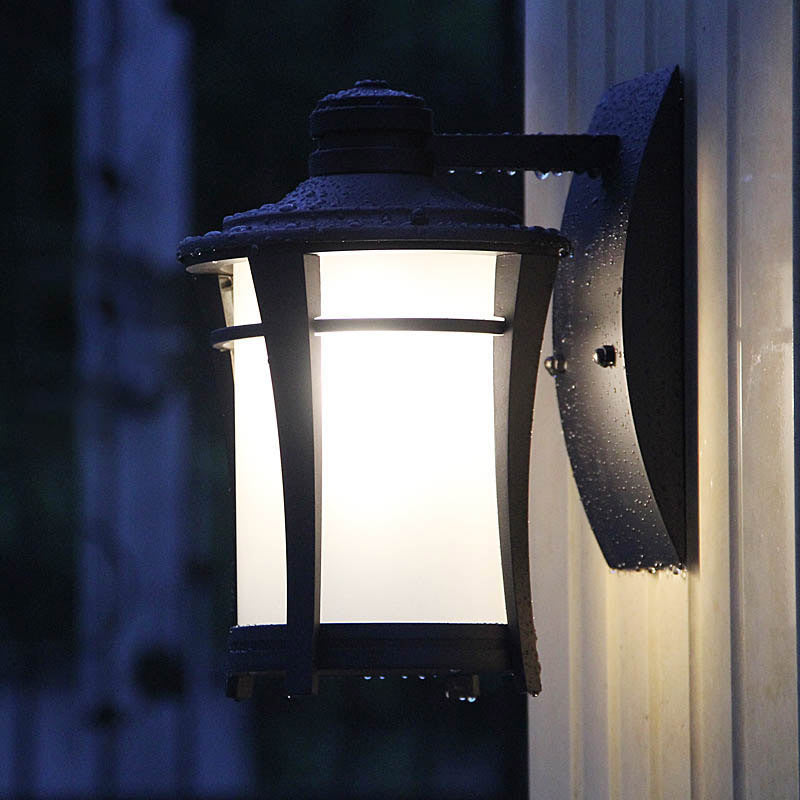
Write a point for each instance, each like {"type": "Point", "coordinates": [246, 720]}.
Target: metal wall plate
{"type": "Point", "coordinates": [618, 329]}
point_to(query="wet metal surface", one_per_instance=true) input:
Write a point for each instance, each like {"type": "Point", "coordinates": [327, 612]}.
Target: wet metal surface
{"type": "Point", "coordinates": [618, 326]}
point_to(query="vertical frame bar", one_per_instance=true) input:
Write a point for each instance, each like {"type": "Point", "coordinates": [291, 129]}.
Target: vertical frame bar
{"type": "Point", "coordinates": [522, 294]}
{"type": "Point", "coordinates": [287, 304]}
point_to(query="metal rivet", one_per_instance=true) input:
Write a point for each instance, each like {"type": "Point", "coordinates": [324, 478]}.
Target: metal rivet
{"type": "Point", "coordinates": [605, 356]}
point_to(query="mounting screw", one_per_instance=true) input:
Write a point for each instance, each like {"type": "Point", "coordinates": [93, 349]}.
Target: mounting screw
{"type": "Point", "coordinates": [605, 356]}
{"type": "Point", "coordinates": [555, 365]}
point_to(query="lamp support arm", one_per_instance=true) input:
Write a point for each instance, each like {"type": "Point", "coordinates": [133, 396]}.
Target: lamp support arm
{"type": "Point", "coordinates": [543, 152]}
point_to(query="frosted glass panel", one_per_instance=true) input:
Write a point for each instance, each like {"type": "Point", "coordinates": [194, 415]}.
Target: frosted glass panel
{"type": "Point", "coordinates": [260, 537]}
{"type": "Point", "coordinates": [409, 507]}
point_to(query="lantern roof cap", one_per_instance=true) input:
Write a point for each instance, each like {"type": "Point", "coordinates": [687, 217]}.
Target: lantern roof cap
{"type": "Point", "coordinates": [363, 210]}
{"type": "Point", "coordinates": [371, 184]}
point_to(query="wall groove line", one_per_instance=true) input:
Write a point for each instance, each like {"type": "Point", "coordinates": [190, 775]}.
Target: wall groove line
{"type": "Point", "coordinates": [735, 402]}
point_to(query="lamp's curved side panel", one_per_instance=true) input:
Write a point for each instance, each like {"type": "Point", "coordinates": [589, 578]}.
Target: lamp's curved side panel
{"type": "Point", "coordinates": [522, 294]}
{"type": "Point", "coordinates": [207, 289]}
{"type": "Point", "coordinates": [286, 304]}
{"type": "Point", "coordinates": [260, 521]}
{"type": "Point", "coordinates": [618, 331]}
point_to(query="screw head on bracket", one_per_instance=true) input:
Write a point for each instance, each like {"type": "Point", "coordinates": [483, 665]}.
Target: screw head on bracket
{"type": "Point", "coordinates": [555, 364]}
{"type": "Point", "coordinates": [605, 356]}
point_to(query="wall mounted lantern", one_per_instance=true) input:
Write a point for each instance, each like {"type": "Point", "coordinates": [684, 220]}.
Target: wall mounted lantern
{"type": "Point", "coordinates": [381, 338]}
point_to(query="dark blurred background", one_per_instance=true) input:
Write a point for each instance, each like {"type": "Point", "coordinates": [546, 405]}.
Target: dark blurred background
{"type": "Point", "coordinates": [127, 125]}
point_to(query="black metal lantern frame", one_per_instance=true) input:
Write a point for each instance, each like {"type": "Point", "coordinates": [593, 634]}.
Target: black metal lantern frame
{"type": "Point", "coordinates": [371, 187]}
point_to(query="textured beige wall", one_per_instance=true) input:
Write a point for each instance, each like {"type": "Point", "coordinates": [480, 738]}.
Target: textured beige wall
{"type": "Point", "coordinates": [680, 685]}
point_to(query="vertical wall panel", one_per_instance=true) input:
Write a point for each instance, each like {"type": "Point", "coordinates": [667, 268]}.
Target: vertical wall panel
{"type": "Point", "coordinates": [652, 692]}
{"type": "Point", "coordinates": [629, 39]}
{"type": "Point", "coordinates": [760, 314]}
{"type": "Point", "coordinates": [600, 757]}
{"type": "Point", "coordinates": [709, 589]}
{"type": "Point", "coordinates": [552, 753]}
{"type": "Point", "coordinates": [629, 735]}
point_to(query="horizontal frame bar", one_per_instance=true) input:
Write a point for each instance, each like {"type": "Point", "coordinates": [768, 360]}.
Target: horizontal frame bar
{"type": "Point", "coordinates": [222, 337]}
{"type": "Point", "coordinates": [378, 648]}
{"type": "Point", "coordinates": [443, 325]}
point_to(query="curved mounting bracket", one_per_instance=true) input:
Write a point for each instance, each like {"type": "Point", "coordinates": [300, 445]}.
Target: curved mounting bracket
{"type": "Point", "coordinates": [618, 330]}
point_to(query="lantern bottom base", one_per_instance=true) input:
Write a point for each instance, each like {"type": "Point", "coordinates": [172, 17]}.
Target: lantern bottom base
{"type": "Point", "coordinates": [374, 649]}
